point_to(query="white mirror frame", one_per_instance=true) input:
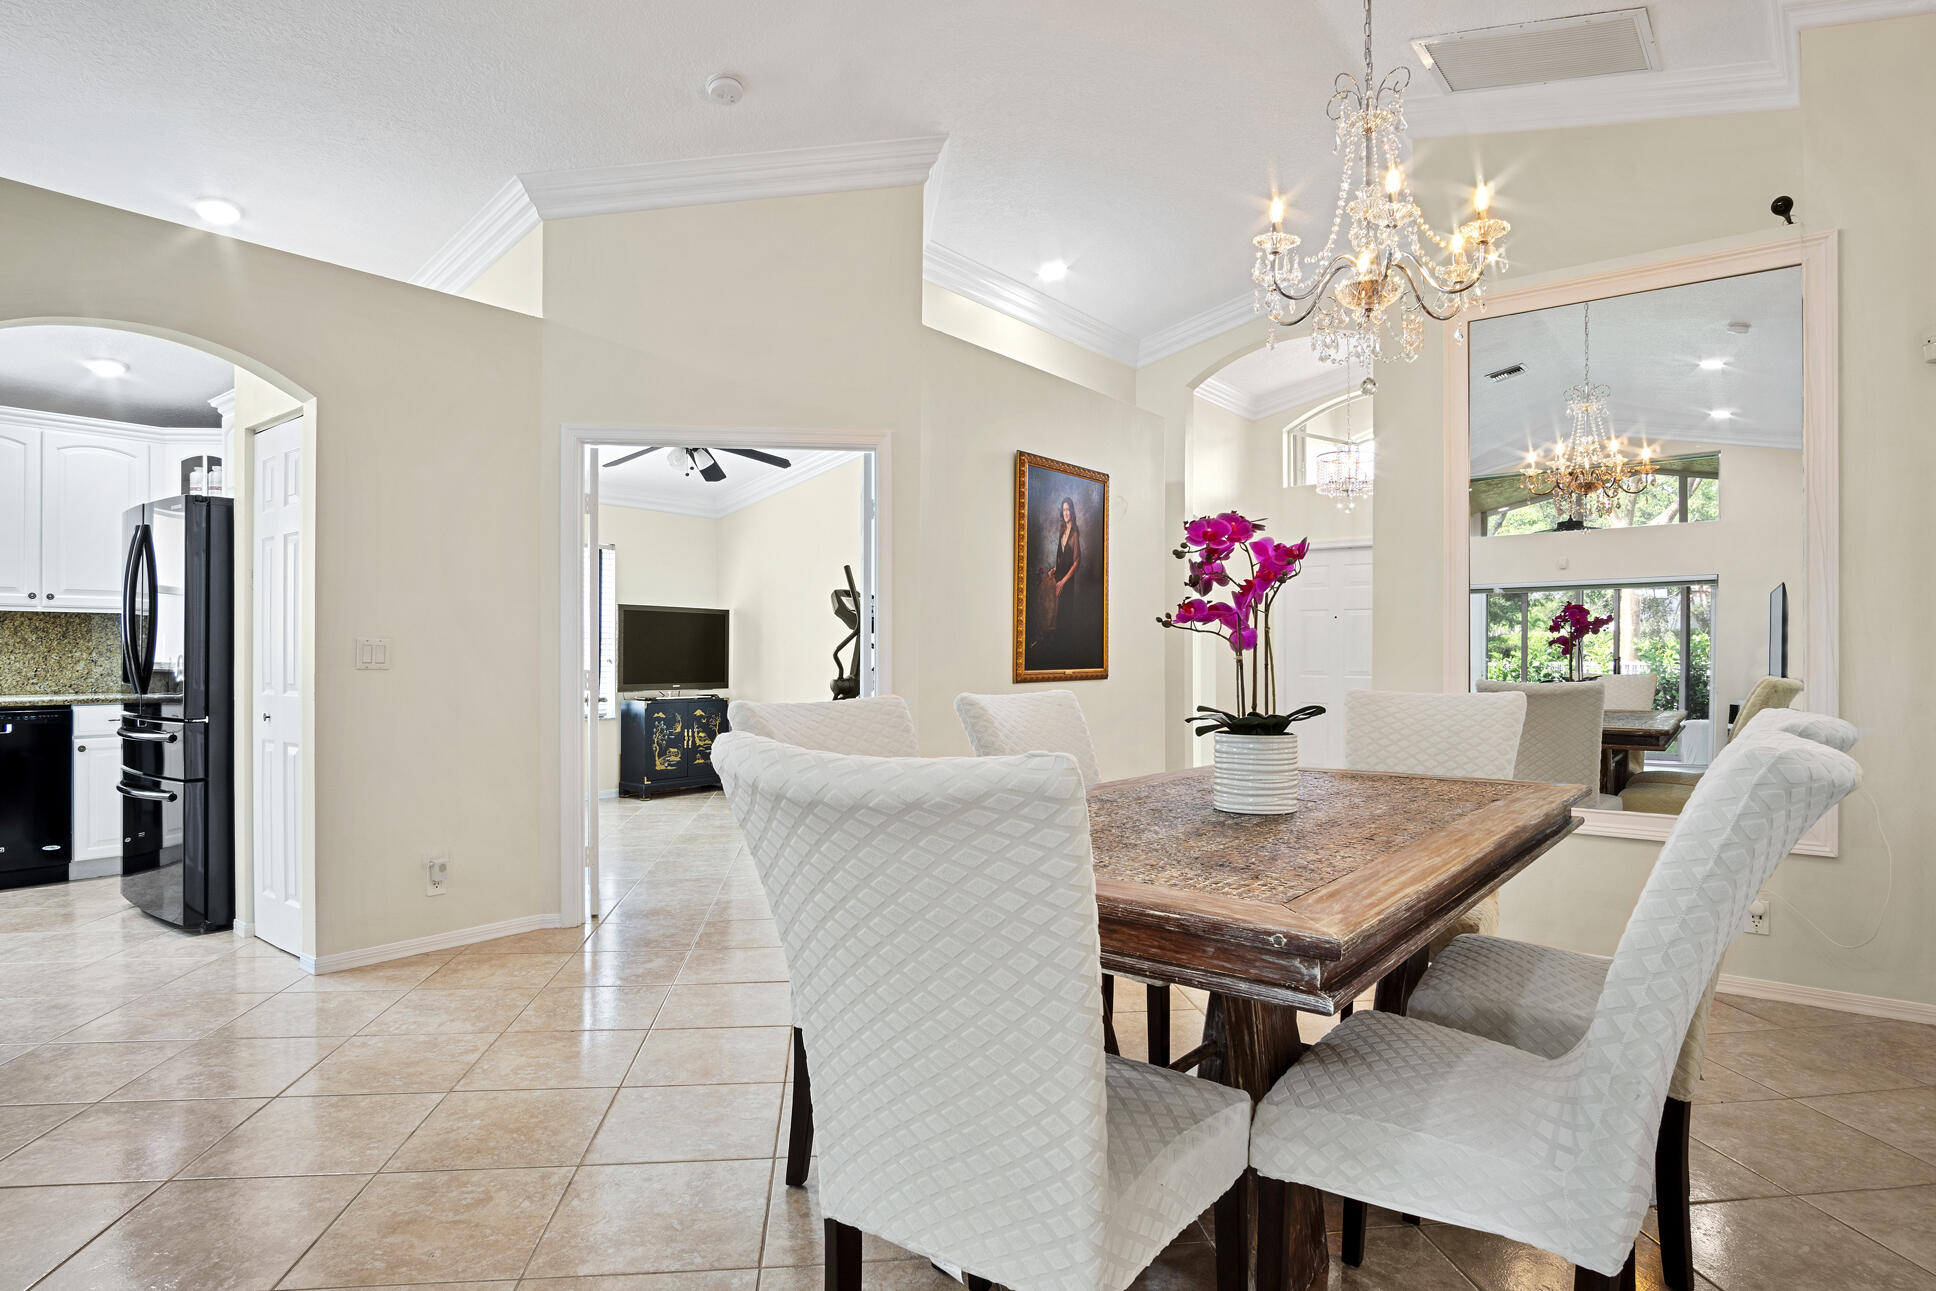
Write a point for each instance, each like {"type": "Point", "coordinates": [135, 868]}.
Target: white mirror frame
{"type": "Point", "coordinates": [1815, 255]}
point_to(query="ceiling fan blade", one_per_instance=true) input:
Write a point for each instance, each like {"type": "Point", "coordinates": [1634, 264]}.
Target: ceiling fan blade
{"type": "Point", "coordinates": [758, 456]}
{"type": "Point", "coordinates": [712, 472]}
{"type": "Point", "coordinates": [620, 461]}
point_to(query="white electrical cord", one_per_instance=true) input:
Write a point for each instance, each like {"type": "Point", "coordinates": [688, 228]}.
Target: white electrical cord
{"type": "Point", "coordinates": [1888, 892]}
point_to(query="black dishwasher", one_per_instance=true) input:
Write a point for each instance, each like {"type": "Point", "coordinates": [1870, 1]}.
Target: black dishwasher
{"type": "Point", "coordinates": [36, 795]}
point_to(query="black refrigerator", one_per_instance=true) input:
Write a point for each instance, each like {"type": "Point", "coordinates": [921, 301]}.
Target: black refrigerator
{"type": "Point", "coordinates": [178, 729]}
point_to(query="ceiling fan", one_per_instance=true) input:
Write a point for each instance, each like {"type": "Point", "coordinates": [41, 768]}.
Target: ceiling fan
{"type": "Point", "coordinates": [703, 460]}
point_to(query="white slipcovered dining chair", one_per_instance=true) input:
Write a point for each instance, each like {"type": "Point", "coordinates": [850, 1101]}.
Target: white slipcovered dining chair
{"type": "Point", "coordinates": [879, 726]}
{"type": "Point", "coordinates": [939, 919]}
{"type": "Point", "coordinates": [1564, 740]}
{"type": "Point", "coordinates": [1472, 736]}
{"type": "Point", "coordinates": [1051, 721]}
{"type": "Point", "coordinates": [1556, 1152]}
{"type": "Point", "coordinates": [1630, 692]}
{"type": "Point", "coordinates": [1541, 999]}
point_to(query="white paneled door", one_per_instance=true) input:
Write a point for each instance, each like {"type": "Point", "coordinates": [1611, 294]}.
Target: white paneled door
{"type": "Point", "coordinates": [1322, 622]}
{"type": "Point", "coordinates": [277, 719]}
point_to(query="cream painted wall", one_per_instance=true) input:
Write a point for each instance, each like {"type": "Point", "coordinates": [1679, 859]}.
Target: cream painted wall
{"type": "Point", "coordinates": [427, 532]}
{"type": "Point", "coordinates": [781, 561]}
{"type": "Point", "coordinates": [1757, 543]}
{"type": "Point", "coordinates": [973, 322]}
{"type": "Point", "coordinates": [516, 281]}
{"type": "Point", "coordinates": [1580, 197]}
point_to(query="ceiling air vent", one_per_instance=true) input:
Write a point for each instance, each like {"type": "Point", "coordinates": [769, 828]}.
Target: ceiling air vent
{"type": "Point", "coordinates": [1504, 374]}
{"type": "Point", "coordinates": [1529, 53]}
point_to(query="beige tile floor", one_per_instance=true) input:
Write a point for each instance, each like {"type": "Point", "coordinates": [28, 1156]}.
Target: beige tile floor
{"type": "Point", "coordinates": [602, 1111]}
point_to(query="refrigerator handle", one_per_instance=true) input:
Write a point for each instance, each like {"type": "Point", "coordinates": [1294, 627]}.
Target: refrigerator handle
{"type": "Point", "coordinates": [146, 659]}
{"type": "Point", "coordinates": [130, 567]}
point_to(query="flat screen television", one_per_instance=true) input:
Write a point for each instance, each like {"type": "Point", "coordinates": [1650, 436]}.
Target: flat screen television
{"type": "Point", "coordinates": [668, 647]}
{"type": "Point", "coordinates": [1778, 631]}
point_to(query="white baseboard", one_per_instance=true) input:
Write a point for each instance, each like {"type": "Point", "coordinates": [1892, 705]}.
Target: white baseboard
{"type": "Point", "coordinates": [106, 867]}
{"type": "Point", "coordinates": [1874, 1006]}
{"type": "Point", "coordinates": [436, 941]}
{"type": "Point", "coordinates": [608, 793]}
{"type": "Point", "coordinates": [244, 928]}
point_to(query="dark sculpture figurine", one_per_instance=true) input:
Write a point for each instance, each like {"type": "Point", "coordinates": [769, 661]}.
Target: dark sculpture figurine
{"type": "Point", "coordinates": [846, 682]}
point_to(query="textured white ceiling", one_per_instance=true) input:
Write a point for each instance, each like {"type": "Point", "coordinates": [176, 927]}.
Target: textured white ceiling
{"type": "Point", "coordinates": [1647, 349]}
{"type": "Point", "coordinates": [166, 384]}
{"type": "Point", "coordinates": [1137, 140]}
{"type": "Point", "coordinates": [652, 484]}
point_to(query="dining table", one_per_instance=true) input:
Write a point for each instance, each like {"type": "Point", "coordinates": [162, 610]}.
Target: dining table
{"type": "Point", "coordinates": [1283, 915]}
{"type": "Point", "coordinates": [1623, 731]}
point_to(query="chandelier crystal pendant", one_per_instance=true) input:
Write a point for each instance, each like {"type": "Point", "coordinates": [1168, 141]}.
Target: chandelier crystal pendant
{"type": "Point", "coordinates": [1397, 269]}
{"type": "Point", "coordinates": [1589, 470]}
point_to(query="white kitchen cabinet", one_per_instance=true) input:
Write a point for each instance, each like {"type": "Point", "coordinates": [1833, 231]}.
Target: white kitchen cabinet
{"type": "Point", "coordinates": [19, 518]}
{"type": "Point", "coordinates": [87, 481]}
{"type": "Point", "coordinates": [168, 457]}
{"type": "Point", "coordinates": [97, 807]}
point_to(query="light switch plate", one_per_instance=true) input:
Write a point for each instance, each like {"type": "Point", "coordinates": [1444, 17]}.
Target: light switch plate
{"type": "Point", "coordinates": [373, 653]}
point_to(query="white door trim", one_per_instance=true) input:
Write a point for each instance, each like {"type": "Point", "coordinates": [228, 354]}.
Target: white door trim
{"type": "Point", "coordinates": [573, 440]}
{"type": "Point", "coordinates": [1816, 255]}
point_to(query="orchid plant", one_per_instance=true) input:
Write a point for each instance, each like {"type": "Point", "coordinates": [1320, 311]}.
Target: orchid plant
{"type": "Point", "coordinates": [1212, 545]}
{"type": "Point", "coordinates": [1570, 628]}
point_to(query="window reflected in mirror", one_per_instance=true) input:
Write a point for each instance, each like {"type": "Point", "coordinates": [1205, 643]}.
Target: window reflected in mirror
{"type": "Point", "coordinates": [1601, 434]}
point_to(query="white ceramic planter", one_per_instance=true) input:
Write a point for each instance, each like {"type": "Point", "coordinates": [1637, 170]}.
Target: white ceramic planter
{"type": "Point", "coordinates": [1256, 775]}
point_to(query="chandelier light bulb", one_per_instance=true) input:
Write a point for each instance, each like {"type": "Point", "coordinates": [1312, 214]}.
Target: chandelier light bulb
{"type": "Point", "coordinates": [1394, 180]}
{"type": "Point", "coordinates": [1482, 199]}
{"type": "Point", "coordinates": [1277, 211]}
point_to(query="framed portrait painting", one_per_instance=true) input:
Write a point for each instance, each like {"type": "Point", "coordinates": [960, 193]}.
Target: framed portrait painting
{"type": "Point", "coordinates": [1061, 571]}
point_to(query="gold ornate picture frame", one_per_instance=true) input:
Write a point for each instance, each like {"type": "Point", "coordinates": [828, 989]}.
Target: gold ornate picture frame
{"type": "Point", "coordinates": [1061, 601]}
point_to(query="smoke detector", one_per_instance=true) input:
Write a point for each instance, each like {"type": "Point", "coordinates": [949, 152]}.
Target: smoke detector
{"type": "Point", "coordinates": [1532, 53]}
{"type": "Point", "coordinates": [725, 90]}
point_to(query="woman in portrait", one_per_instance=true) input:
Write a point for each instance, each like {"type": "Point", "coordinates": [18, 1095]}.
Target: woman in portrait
{"type": "Point", "coordinates": [1058, 579]}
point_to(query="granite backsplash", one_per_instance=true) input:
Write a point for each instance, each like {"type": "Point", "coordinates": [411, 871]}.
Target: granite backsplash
{"type": "Point", "coordinates": [53, 654]}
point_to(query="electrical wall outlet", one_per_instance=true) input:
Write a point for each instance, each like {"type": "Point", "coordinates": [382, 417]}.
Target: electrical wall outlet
{"type": "Point", "coordinates": [1758, 917]}
{"type": "Point", "coordinates": [373, 653]}
{"type": "Point", "coordinates": [436, 876]}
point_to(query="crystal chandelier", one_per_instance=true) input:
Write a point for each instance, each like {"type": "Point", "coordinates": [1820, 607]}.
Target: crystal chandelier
{"type": "Point", "coordinates": [1589, 469]}
{"type": "Point", "coordinates": [1398, 267]}
{"type": "Point", "coordinates": [1345, 473]}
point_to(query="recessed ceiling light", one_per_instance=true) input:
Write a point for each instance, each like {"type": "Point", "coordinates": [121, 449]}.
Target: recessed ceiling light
{"type": "Point", "coordinates": [109, 368]}
{"type": "Point", "coordinates": [1713, 365]}
{"type": "Point", "coordinates": [217, 211]}
{"type": "Point", "coordinates": [1053, 271]}
{"type": "Point", "coordinates": [1721, 414]}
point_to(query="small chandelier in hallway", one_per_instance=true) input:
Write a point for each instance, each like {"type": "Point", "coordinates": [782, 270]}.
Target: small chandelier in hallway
{"type": "Point", "coordinates": [1397, 269]}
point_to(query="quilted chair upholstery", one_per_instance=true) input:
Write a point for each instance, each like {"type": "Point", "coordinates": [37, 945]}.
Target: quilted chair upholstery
{"type": "Point", "coordinates": [1630, 692]}
{"type": "Point", "coordinates": [1542, 999]}
{"type": "Point", "coordinates": [1042, 721]}
{"type": "Point", "coordinates": [1554, 1152]}
{"type": "Point", "coordinates": [939, 920]}
{"type": "Point", "coordinates": [1561, 743]}
{"type": "Point", "coordinates": [1666, 792]}
{"type": "Point", "coordinates": [879, 726]}
{"type": "Point", "coordinates": [1448, 735]}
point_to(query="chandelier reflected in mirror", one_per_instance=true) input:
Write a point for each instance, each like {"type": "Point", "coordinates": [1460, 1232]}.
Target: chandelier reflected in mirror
{"type": "Point", "coordinates": [1393, 269]}
{"type": "Point", "coordinates": [1589, 470]}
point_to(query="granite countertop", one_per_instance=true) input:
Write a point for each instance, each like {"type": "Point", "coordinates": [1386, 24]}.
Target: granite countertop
{"type": "Point", "coordinates": [78, 697]}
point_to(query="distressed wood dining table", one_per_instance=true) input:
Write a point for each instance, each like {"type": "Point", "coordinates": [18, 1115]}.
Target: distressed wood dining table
{"type": "Point", "coordinates": [1278, 915]}
{"type": "Point", "coordinates": [1622, 731]}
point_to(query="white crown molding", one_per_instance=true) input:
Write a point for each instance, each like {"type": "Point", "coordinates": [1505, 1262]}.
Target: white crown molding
{"type": "Point", "coordinates": [1180, 336]}
{"type": "Point", "coordinates": [1255, 405]}
{"type": "Point", "coordinates": [730, 495]}
{"type": "Point", "coordinates": [1768, 85]}
{"type": "Point", "coordinates": [35, 419]}
{"type": "Point", "coordinates": [1026, 304]}
{"type": "Point", "coordinates": [224, 405]}
{"type": "Point", "coordinates": [701, 181]}
{"type": "Point", "coordinates": [486, 236]}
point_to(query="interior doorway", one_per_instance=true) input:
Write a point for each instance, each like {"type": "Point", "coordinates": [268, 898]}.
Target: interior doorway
{"type": "Point", "coordinates": [706, 566]}
{"type": "Point", "coordinates": [1324, 645]}
{"type": "Point", "coordinates": [277, 746]}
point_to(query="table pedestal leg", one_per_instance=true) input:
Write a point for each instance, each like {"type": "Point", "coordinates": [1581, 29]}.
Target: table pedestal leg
{"type": "Point", "coordinates": [1256, 1044]}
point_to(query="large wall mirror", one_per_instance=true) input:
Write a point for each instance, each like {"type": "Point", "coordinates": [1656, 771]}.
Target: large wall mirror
{"type": "Point", "coordinates": [1639, 486]}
